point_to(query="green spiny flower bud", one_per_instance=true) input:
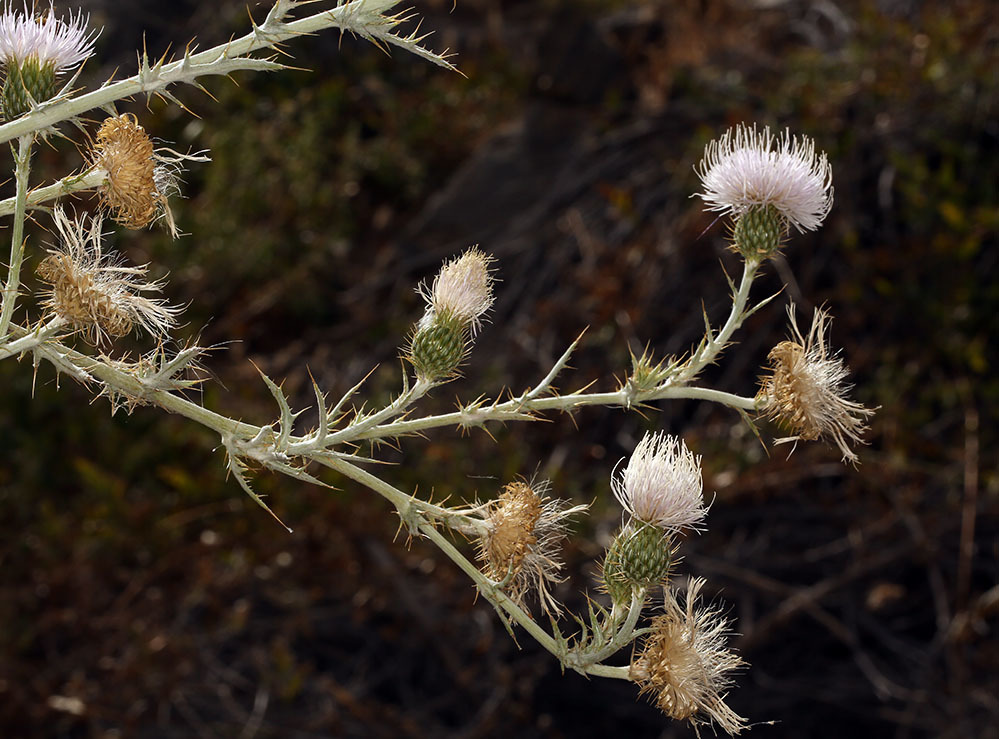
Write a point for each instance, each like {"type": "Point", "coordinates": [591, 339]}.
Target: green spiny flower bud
{"type": "Point", "coordinates": [758, 232]}
{"type": "Point", "coordinates": [438, 346]}
{"type": "Point", "coordinates": [639, 557]}
{"type": "Point", "coordinates": [26, 85]}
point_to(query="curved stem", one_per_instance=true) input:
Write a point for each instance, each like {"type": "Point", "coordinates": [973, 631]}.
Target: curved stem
{"type": "Point", "coordinates": [22, 168]}
{"type": "Point", "coordinates": [711, 348]}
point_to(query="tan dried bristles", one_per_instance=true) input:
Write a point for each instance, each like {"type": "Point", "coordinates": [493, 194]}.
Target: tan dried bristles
{"type": "Point", "coordinates": [525, 530]}
{"type": "Point", "coordinates": [139, 180]}
{"type": "Point", "coordinates": [805, 390]}
{"type": "Point", "coordinates": [684, 664]}
{"type": "Point", "coordinates": [94, 291]}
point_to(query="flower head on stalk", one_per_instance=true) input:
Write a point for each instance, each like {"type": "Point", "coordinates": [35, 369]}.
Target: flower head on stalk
{"type": "Point", "coordinates": [661, 484]}
{"type": "Point", "coordinates": [524, 533]}
{"type": "Point", "coordinates": [805, 390]}
{"type": "Point", "coordinates": [140, 178]}
{"type": "Point", "coordinates": [460, 295]}
{"type": "Point", "coordinates": [95, 291]}
{"type": "Point", "coordinates": [684, 663]}
{"type": "Point", "coordinates": [34, 49]}
{"type": "Point", "coordinates": [766, 184]}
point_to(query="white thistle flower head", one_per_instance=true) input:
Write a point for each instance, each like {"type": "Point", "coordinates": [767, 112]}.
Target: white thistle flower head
{"type": "Point", "coordinates": [62, 43]}
{"type": "Point", "coordinates": [747, 169]}
{"type": "Point", "coordinates": [685, 664]}
{"type": "Point", "coordinates": [463, 288]}
{"type": "Point", "coordinates": [34, 49]}
{"type": "Point", "coordinates": [95, 291]}
{"type": "Point", "coordinates": [661, 484]}
{"type": "Point", "coordinates": [805, 390]}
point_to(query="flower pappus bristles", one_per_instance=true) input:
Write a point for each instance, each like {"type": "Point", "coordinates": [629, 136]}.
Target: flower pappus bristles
{"type": "Point", "coordinates": [139, 178]}
{"type": "Point", "coordinates": [34, 49]}
{"type": "Point", "coordinates": [95, 291]}
{"type": "Point", "coordinates": [805, 390]}
{"type": "Point", "coordinates": [524, 532]}
{"type": "Point", "coordinates": [747, 170]}
{"type": "Point", "coordinates": [463, 288]}
{"type": "Point", "coordinates": [661, 484]}
{"type": "Point", "coordinates": [684, 664]}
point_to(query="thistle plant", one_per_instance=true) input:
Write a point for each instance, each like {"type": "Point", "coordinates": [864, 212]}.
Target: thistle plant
{"type": "Point", "coordinates": [509, 544]}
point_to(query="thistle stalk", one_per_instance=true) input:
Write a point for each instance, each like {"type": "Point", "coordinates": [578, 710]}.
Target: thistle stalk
{"type": "Point", "coordinates": [22, 169]}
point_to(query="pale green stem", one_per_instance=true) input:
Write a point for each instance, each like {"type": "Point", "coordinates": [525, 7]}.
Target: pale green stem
{"type": "Point", "coordinates": [22, 169]}
{"type": "Point", "coordinates": [89, 180]}
{"type": "Point", "coordinates": [488, 588]}
{"type": "Point", "coordinates": [518, 410]}
{"type": "Point", "coordinates": [736, 316]}
{"type": "Point", "coordinates": [31, 340]}
{"type": "Point", "coordinates": [622, 636]}
{"type": "Point", "coordinates": [363, 17]}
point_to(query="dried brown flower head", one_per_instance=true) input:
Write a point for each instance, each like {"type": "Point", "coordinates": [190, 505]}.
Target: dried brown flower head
{"type": "Point", "coordinates": [139, 179]}
{"type": "Point", "coordinates": [95, 291]}
{"type": "Point", "coordinates": [521, 547]}
{"type": "Point", "coordinates": [684, 664]}
{"type": "Point", "coordinates": [805, 390]}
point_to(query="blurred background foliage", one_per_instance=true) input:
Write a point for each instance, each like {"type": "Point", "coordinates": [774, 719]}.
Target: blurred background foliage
{"type": "Point", "coordinates": [144, 595]}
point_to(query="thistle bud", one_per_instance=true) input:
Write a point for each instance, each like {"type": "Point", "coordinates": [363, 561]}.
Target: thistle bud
{"type": "Point", "coordinates": [34, 50]}
{"type": "Point", "coordinates": [438, 347]}
{"type": "Point", "coordinates": [639, 557]}
{"type": "Point", "coordinates": [758, 232]}
{"type": "Point", "coordinates": [461, 294]}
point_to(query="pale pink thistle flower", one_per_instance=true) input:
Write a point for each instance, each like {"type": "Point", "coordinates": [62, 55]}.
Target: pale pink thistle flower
{"type": "Point", "coordinates": [463, 288]}
{"type": "Point", "coordinates": [34, 49]}
{"type": "Point", "coordinates": [661, 484]}
{"type": "Point", "coordinates": [747, 169]}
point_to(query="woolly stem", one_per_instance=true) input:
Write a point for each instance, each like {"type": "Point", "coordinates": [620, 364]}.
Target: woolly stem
{"type": "Point", "coordinates": [22, 168]}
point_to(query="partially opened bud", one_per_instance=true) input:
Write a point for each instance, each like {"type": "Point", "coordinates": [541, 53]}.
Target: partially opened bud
{"type": "Point", "coordinates": [640, 557]}
{"type": "Point", "coordinates": [461, 294]}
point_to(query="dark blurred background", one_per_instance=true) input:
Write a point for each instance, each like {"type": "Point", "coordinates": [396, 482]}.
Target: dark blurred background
{"type": "Point", "coordinates": [142, 594]}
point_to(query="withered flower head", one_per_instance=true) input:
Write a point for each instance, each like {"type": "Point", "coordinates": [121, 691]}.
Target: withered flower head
{"type": "Point", "coordinates": [805, 390]}
{"type": "Point", "coordinates": [525, 530]}
{"type": "Point", "coordinates": [684, 664]}
{"type": "Point", "coordinates": [140, 178]}
{"type": "Point", "coordinates": [95, 291]}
